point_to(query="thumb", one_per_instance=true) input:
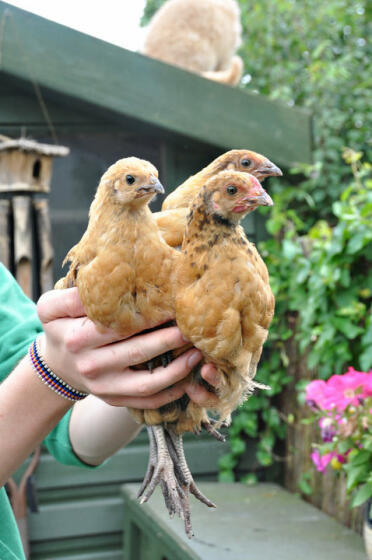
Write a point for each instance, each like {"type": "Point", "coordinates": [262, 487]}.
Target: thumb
{"type": "Point", "coordinates": [57, 304]}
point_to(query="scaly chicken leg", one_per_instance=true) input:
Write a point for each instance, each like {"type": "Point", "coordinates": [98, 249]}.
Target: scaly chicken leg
{"type": "Point", "coordinates": [168, 467]}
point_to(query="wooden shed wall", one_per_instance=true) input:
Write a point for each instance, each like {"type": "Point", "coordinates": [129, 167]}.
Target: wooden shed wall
{"type": "Point", "coordinates": [80, 516]}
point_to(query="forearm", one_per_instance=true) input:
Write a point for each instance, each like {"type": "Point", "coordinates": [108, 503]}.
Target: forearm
{"type": "Point", "coordinates": [97, 430]}
{"type": "Point", "coordinates": [28, 411]}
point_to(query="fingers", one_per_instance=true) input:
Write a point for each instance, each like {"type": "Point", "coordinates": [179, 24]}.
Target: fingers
{"type": "Point", "coordinates": [199, 395]}
{"type": "Point", "coordinates": [157, 400]}
{"type": "Point", "coordinates": [139, 349]}
{"type": "Point", "coordinates": [210, 375]}
{"type": "Point", "coordinates": [56, 304]}
{"type": "Point", "coordinates": [142, 383]}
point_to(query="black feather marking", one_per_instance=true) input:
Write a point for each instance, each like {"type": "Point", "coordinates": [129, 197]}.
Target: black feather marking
{"type": "Point", "coordinates": [220, 220]}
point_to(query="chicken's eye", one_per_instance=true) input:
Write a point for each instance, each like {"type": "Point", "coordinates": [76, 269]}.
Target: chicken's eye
{"type": "Point", "coordinates": [231, 190]}
{"type": "Point", "coordinates": [130, 179]}
{"type": "Point", "coordinates": [246, 162]}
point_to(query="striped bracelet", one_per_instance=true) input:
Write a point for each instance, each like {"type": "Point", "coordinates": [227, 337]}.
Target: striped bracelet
{"type": "Point", "coordinates": [50, 378]}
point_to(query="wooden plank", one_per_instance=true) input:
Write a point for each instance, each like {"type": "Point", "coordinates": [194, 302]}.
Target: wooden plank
{"type": "Point", "coordinates": [74, 64]}
{"type": "Point", "coordinates": [4, 232]}
{"type": "Point", "coordinates": [129, 464]}
{"type": "Point", "coordinates": [25, 109]}
{"type": "Point", "coordinates": [105, 547]}
{"type": "Point", "coordinates": [44, 237]}
{"type": "Point", "coordinates": [23, 250]}
{"type": "Point", "coordinates": [263, 521]}
{"type": "Point", "coordinates": [76, 518]}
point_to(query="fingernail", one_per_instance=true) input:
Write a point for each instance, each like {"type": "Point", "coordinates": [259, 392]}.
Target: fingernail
{"type": "Point", "coordinates": [185, 339]}
{"type": "Point", "coordinates": [194, 358]}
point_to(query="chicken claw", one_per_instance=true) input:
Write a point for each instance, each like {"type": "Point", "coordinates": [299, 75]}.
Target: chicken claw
{"type": "Point", "coordinates": [168, 468]}
{"type": "Point", "coordinates": [209, 427]}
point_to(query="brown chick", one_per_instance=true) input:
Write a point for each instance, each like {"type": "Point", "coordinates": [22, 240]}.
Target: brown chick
{"type": "Point", "coordinates": [224, 303]}
{"type": "Point", "coordinates": [171, 220]}
{"type": "Point", "coordinates": [224, 306]}
{"type": "Point", "coordinates": [122, 249]}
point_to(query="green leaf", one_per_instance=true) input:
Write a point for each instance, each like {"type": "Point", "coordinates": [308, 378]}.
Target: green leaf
{"type": "Point", "coordinates": [237, 446]}
{"type": "Point", "coordinates": [357, 242]}
{"type": "Point", "coordinates": [362, 495]}
{"type": "Point", "coordinates": [304, 485]}
{"type": "Point", "coordinates": [346, 327]}
{"type": "Point", "coordinates": [250, 479]}
{"type": "Point", "coordinates": [362, 457]}
{"type": "Point", "coordinates": [264, 458]}
{"type": "Point", "coordinates": [355, 476]}
{"type": "Point", "coordinates": [226, 476]}
{"type": "Point", "coordinates": [365, 359]}
{"type": "Point", "coordinates": [226, 462]}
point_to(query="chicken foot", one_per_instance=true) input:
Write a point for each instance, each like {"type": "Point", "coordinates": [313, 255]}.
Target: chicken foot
{"type": "Point", "coordinates": [168, 468]}
{"type": "Point", "coordinates": [209, 427]}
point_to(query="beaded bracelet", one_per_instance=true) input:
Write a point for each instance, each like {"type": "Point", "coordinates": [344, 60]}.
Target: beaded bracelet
{"type": "Point", "coordinates": [50, 378]}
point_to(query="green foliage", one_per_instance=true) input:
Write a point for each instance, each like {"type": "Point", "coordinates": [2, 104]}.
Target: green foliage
{"type": "Point", "coordinates": [316, 55]}
{"type": "Point", "coordinates": [322, 283]}
{"type": "Point", "coordinates": [330, 270]}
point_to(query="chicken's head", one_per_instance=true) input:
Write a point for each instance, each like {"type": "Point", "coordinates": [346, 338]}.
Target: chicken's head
{"type": "Point", "coordinates": [231, 195]}
{"type": "Point", "coordinates": [247, 161]}
{"type": "Point", "coordinates": [130, 181]}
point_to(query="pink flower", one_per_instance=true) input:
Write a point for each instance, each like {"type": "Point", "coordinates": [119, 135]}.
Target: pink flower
{"type": "Point", "coordinates": [339, 391]}
{"type": "Point", "coordinates": [315, 393]}
{"type": "Point", "coordinates": [343, 390]}
{"type": "Point", "coordinates": [321, 461]}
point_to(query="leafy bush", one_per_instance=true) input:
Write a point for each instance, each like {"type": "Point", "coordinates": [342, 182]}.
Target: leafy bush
{"type": "Point", "coordinates": [316, 55]}
{"type": "Point", "coordinates": [324, 280]}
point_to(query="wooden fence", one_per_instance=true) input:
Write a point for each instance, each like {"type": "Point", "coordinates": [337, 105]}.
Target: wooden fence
{"type": "Point", "coordinates": [329, 488]}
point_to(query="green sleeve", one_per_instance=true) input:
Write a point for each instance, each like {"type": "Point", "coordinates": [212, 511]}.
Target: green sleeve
{"type": "Point", "coordinates": [19, 325]}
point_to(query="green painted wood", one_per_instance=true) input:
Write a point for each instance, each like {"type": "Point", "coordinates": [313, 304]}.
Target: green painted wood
{"type": "Point", "coordinates": [250, 523]}
{"type": "Point", "coordinates": [129, 464]}
{"type": "Point", "coordinates": [76, 518]}
{"type": "Point", "coordinates": [95, 547]}
{"type": "Point", "coordinates": [128, 83]}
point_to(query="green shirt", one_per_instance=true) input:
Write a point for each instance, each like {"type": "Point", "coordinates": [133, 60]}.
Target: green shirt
{"type": "Point", "coordinates": [19, 325]}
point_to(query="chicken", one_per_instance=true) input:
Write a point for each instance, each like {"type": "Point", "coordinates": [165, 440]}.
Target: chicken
{"type": "Point", "coordinates": [172, 220]}
{"type": "Point", "coordinates": [122, 249]}
{"type": "Point", "coordinates": [224, 306]}
{"type": "Point", "coordinates": [123, 270]}
{"type": "Point", "coordinates": [223, 300]}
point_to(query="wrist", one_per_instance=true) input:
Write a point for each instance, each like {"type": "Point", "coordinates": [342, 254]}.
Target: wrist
{"type": "Point", "coordinates": [50, 378]}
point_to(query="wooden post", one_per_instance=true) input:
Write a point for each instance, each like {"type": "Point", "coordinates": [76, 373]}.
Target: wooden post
{"type": "Point", "coordinates": [5, 256]}
{"type": "Point", "coordinates": [23, 246]}
{"type": "Point", "coordinates": [44, 238]}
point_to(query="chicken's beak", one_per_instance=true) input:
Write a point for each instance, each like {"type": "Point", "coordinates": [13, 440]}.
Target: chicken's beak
{"type": "Point", "coordinates": [269, 170]}
{"type": "Point", "coordinates": [264, 199]}
{"type": "Point", "coordinates": [154, 186]}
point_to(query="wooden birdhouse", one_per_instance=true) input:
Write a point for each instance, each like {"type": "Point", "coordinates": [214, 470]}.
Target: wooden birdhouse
{"type": "Point", "coordinates": [25, 240]}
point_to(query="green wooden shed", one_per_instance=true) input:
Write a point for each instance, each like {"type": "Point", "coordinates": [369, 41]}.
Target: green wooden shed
{"type": "Point", "coordinates": [104, 103]}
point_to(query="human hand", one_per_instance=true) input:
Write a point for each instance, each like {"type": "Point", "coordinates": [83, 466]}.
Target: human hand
{"type": "Point", "coordinates": [99, 362]}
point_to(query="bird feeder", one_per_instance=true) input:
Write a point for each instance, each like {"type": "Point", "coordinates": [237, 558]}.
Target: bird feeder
{"type": "Point", "coordinates": [25, 232]}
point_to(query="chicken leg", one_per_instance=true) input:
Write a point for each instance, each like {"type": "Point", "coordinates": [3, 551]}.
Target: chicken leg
{"type": "Point", "coordinates": [168, 467]}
